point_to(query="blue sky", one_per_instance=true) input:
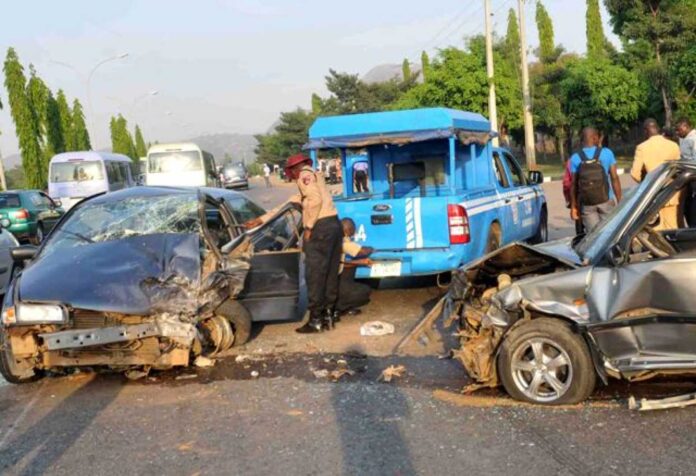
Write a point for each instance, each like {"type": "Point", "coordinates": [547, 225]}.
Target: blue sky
{"type": "Point", "coordinates": [232, 66]}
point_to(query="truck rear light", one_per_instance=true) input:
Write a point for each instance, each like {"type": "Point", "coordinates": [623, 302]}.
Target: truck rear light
{"type": "Point", "coordinates": [458, 222]}
{"type": "Point", "coordinates": [21, 214]}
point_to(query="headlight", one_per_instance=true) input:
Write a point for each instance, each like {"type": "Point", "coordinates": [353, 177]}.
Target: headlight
{"type": "Point", "coordinates": [39, 313]}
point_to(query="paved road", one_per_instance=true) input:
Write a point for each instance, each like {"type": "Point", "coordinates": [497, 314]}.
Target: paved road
{"type": "Point", "coordinates": [290, 421]}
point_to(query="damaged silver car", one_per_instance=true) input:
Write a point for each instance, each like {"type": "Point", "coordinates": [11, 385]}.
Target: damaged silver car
{"type": "Point", "coordinates": [547, 321]}
{"type": "Point", "coordinates": [148, 278]}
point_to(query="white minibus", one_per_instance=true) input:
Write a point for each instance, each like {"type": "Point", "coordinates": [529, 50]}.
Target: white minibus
{"type": "Point", "coordinates": [180, 165]}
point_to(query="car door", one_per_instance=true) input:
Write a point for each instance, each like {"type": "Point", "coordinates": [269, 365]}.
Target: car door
{"type": "Point", "coordinates": [274, 289]}
{"type": "Point", "coordinates": [648, 312]}
{"type": "Point", "coordinates": [7, 241]}
{"type": "Point", "coordinates": [506, 202]}
{"type": "Point", "coordinates": [51, 211]}
{"type": "Point", "coordinates": [522, 200]}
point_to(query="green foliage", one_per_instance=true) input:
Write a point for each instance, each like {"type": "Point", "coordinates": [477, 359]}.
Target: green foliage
{"type": "Point", "coordinates": [406, 70]}
{"type": "Point", "coordinates": [255, 169]}
{"type": "Point", "coordinates": [66, 121]}
{"type": "Point", "coordinates": [15, 179]}
{"type": "Point", "coordinates": [512, 39]}
{"type": "Point", "coordinates": [548, 52]}
{"type": "Point", "coordinates": [596, 41]}
{"type": "Point", "coordinates": [425, 64]}
{"type": "Point", "coordinates": [121, 140]}
{"type": "Point", "coordinates": [457, 79]}
{"type": "Point", "coordinates": [289, 136]}
{"type": "Point", "coordinates": [25, 121]}
{"type": "Point", "coordinates": [80, 133]}
{"type": "Point", "coordinates": [601, 94]}
{"type": "Point", "coordinates": [140, 148]}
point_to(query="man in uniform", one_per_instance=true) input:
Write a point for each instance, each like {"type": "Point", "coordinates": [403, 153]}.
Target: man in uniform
{"type": "Point", "coordinates": [656, 150]}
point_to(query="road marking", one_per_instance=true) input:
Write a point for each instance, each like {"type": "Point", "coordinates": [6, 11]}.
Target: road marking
{"type": "Point", "coordinates": [21, 416]}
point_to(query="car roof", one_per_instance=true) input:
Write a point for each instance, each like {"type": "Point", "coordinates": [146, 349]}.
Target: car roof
{"type": "Point", "coordinates": [88, 155]}
{"type": "Point", "coordinates": [155, 191]}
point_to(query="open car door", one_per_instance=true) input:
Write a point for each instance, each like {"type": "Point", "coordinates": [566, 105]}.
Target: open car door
{"type": "Point", "coordinates": [274, 285]}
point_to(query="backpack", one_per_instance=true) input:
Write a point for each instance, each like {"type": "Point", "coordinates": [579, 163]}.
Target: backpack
{"type": "Point", "coordinates": [593, 185]}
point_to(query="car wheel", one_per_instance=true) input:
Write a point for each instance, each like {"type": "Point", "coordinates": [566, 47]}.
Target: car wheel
{"type": "Point", "coordinates": [544, 361]}
{"type": "Point", "coordinates": [239, 318]}
{"type": "Point", "coordinates": [10, 368]}
{"type": "Point", "coordinates": [542, 234]}
{"type": "Point", "coordinates": [494, 238]}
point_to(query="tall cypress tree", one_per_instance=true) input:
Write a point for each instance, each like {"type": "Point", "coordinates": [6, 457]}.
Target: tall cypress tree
{"type": "Point", "coordinates": [425, 64]}
{"type": "Point", "coordinates": [121, 140]}
{"type": "Point", "coordinates": [66, 122]}
{"type": "Point", "coordinates": [547, 45]}
{"type": "Point", "coordinates": [513, 44]}
{"type": "Point", "coordinates": [596, 41]}
{"type": "Point", "coordinates": [23, 117]}
{"type": "Point", "coordinates": [79, 128]}
{"type": "Point", "coordinates": [406, 70]}
{"type": "Point", "coordinates": [140, 148]}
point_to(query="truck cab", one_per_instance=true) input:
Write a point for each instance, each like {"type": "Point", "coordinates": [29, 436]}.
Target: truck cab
{"type": "Point", "coordinates": [438, 193]}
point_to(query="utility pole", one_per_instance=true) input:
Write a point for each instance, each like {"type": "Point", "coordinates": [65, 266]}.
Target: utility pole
{"type": "Point", "coordinates": [492, 108]}
{"type": "Point", "coordinates": [529, 149]}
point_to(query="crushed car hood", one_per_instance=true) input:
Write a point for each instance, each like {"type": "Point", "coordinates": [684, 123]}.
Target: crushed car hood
{"type": "Point", "coordinates": [136, 275]}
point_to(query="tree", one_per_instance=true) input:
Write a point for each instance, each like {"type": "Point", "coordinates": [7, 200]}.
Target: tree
{"type": "Point", "coordinates": [80, 133]}
{"type": "Point", "coordinates": [405, 70]}
{"type": "Point", "coordinates": [66, 120]}
{"type": "Point", "coordinates": [601, 94]}
{"type": "Point", "coordinates": [140, 148]}
{"type": "Point", "coordinates": [596, 41]}
{"type": "Point", "coordinates": [512, 39]}
{"type": "Point", "coordinates": [26, 126]}
{"type": "Point", "coordinates": [654, 33]}
{"type": "Point", "coordinates": [121, 140]}
{"type": "Point", "coordinates": [425, 63]}
{"type": "Point", "coordinates": [458, 79]}
{"type": "Point", "coordinates": [287, 139]}
{"type": "Point", "coordinates": [547, 46]}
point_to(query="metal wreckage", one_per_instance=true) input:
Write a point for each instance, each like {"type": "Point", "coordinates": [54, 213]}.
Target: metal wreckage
{"type": "Point", "coordinates": [140, 279]}
{"type": "Point", "coordinates": [546, 321]}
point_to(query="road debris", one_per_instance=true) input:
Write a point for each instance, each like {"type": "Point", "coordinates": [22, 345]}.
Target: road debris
{"type": "Point", "coordinates": [186, 376]}
{"type": "Point", "coordinates": [392, 371]}
{"type": "Point", "coordinates": [322, 373]}
{"type": "Point", "coordinates": [376, 328]}
{"type": "Point", "coordinates": [202, 361]}
{"type": "Point", "coordinates": [679, 401]}
{"type": "Point", "coordinates": [255, 374]}
{"type": "Point", "coordinates": [134, 374]}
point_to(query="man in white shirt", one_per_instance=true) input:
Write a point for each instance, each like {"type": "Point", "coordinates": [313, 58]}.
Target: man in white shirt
{"type": "Point", "coordinates": [267, 175]}
{"type": "Point", "coordinates": [687, 139]}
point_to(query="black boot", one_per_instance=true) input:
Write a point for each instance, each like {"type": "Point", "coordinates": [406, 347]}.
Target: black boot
{"type": "Point", "coordinates": [313, 325]}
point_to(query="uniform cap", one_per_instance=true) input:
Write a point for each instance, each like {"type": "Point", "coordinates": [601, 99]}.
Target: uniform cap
{"type": "Point", "coordinates": [295, 160]}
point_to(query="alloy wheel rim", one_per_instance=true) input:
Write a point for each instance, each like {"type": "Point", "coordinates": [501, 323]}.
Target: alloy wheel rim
{"type": "Point", "coordinates": [541, 369]}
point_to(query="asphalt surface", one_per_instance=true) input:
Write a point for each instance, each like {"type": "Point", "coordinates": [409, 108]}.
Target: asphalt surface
{"type": "Point", "coordinates": [275, 409]}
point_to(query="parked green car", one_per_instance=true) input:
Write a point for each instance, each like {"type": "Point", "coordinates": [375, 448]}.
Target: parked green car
{"type": "Point", "coordinates": [31, 213]}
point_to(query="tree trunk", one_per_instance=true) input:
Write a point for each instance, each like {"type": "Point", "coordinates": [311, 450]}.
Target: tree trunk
{"type": "Point", "coordinates": [668, 107]}
{"type": "Point", "coordinates": [561, 148]}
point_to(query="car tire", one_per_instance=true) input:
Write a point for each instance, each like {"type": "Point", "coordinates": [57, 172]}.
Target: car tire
{"type": "Point", "coordinates": [542, 234]}
{"type": "Point", "coordinates": [564, 374]}
{"type": "Point", "coordinates": [239, 318]}
{"type": "Point", "coordinates": [8, 366]}
{"type": "Point", "coordinates": [494, 238]}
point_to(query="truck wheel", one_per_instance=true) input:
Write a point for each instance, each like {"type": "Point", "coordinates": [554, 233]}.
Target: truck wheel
{"type": "Point", "coordinates": [544, 361]}
{"type": "Point", "coordinates": [13, 371]}
{"type": "Point", "coordinates": [239, 318]}
{"type": "Point", "coordinates": [494, 238]}
{"type": "Point", "coordinates": [542, 234]}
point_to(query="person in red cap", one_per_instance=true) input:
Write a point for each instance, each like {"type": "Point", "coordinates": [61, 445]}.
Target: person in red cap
{"type": "Point", "coordinates": [322, 242]}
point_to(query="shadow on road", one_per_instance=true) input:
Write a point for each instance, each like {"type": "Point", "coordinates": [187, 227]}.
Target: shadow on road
{"type": "Point", "coordinates": [48, 439]}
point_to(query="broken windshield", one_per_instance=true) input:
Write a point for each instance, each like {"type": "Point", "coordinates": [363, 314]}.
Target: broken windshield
{"type": "Point", "coordinates": [104, 220]}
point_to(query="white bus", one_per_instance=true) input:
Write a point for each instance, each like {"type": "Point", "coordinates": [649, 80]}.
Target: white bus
{"type": "Point", "coordinates": [180, 165]}
{"type": "Point", "coordinates": [73, 176]}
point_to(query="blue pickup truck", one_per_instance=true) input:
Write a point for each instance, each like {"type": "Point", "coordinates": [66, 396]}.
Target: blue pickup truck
{"type": "Point", "coordinates": [437, 194]}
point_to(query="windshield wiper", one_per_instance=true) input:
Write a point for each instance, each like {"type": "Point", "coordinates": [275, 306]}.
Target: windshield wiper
{"type": "Point", "coordinates": [78, 235]}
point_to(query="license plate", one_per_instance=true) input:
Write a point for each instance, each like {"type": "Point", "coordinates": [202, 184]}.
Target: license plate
{"type": "Point", "coordinates": [385, 269]}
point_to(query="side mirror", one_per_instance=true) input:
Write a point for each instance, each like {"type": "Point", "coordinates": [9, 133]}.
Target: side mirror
{"type": "Point", "coordinates": [616, 255]}
{"type": "Point", "coordinates": [535, 177]}
{"type": "Point", "coordinates": [23, 253]}
{"type": "Point", "coordinates": [5, 223]}
{"type": "Point", "coordinates": [57, 203]}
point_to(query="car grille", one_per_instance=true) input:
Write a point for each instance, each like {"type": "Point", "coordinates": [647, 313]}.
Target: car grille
{"type": "Point", "coordinates": [91, 319]}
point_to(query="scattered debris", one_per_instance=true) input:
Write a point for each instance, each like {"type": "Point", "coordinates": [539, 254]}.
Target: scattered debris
{"type": "Point", "coordinates": [376, 328]}
{"type": "Point", "coordinates": [391, 372]}
{"type": "Point", "coordinates": [134, 374]}
{"type": "Point", "coordinates": [338, 373]}
{"type": "Point", "coordinates": [680, 401]}
{"type": "Point", "coordinates": [186, 376]}
{"type": "Point", "coordinates": [255, 374]}
{"type": "Point", "coordinates": [202, 361]}
{"type": "Point", "coordinates": [241, 358]}
{"type": "Point", "coordinates": [323, 373]}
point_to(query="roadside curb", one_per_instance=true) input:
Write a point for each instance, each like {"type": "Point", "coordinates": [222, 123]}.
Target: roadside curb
{"type": "Point", "coordinates": [556, 178]}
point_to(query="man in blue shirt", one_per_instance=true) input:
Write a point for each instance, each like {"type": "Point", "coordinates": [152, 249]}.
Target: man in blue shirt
{"type": "Point", "coordinates": [590, 211]}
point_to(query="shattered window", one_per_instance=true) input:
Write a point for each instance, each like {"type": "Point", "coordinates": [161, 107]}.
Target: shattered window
{"type": "Point", "coordinates": [104, 220]}
{"type": "Point", "coordinates": [244, 210]}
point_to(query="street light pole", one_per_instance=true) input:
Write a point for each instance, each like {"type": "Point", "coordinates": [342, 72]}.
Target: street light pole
{"type": "Point", "coordinates": [492, 107]}
{"type": "Point", "coordinates": [529, 149]}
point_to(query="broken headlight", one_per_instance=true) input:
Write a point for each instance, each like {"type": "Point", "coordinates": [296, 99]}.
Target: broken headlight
{"type": "Point", "coordinates": [39, 313]}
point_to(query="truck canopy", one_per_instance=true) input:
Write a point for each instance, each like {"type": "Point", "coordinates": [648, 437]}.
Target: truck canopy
{"type": "Point", "coordinates": [398, 127]}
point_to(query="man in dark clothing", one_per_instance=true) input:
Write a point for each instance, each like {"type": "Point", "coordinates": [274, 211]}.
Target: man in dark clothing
{"type": "Point", "coordinates": [351, 294]}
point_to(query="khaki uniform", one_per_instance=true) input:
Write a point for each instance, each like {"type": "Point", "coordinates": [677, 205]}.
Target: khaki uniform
{"type": "Point", "coordinates": [649, 155]}
{"type": "Point", "coordinates": [316, 199]}
{"type": "Point", "coordinates": [350, 248]}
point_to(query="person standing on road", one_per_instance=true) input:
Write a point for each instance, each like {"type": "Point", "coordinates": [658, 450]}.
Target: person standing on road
{"type": "Point", "coordinates": [321, 243]}
{"type": "Point", "coordinates": [651, 153]}
{"type": "Point", "coordinates": [687, 139]}
{"type": "Point", "coordinates": [593, 168]}
{"type": "Point", "coordinates": [267, 175]}
{"type": "Point", "coordinates": [360, 177]}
